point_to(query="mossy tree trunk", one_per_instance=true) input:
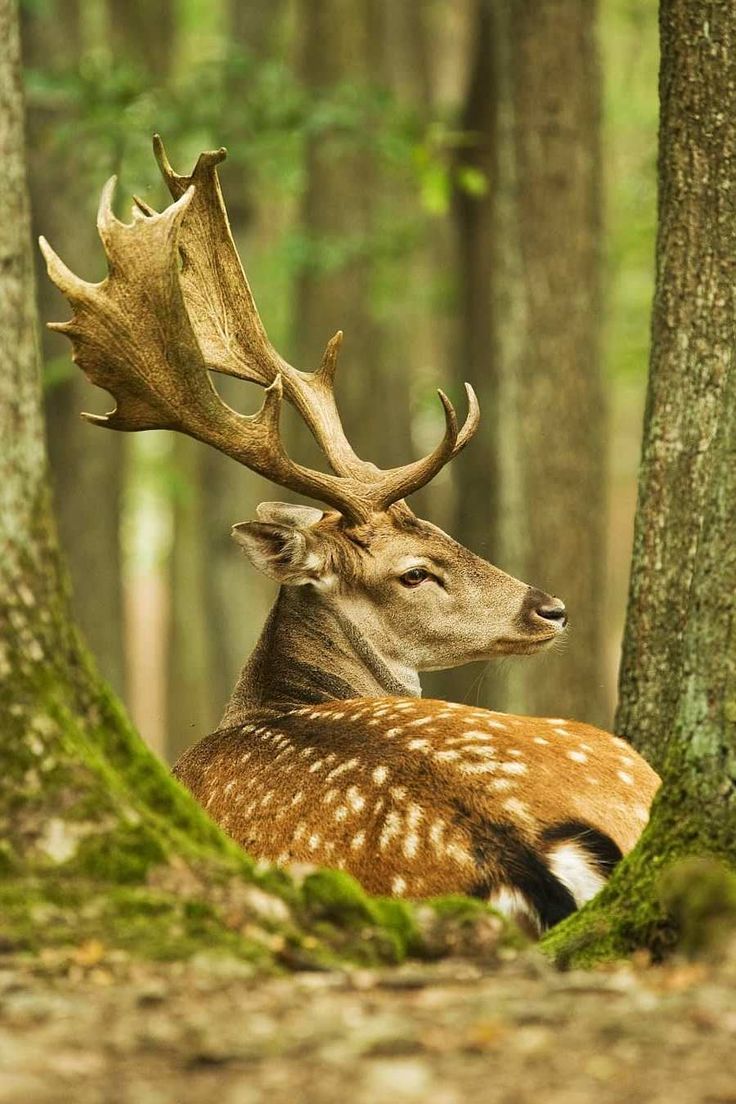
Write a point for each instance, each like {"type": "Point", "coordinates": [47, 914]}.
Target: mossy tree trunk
{"type": "Point", "coordinates": [533, 496]}
{"type": "Point", "coordinates": [79, 795]}
{"type": "Point", "coordinates": [84, 470]}
{"type": "Point", "coordinates": [678, 679]}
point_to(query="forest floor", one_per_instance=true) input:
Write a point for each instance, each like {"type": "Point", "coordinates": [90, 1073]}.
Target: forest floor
{"type": "Point", "coordinates": [96, 1028]}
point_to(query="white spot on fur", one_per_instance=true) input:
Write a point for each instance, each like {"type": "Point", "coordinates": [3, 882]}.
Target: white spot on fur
{"type": "Point", "coordinates": [342, 768]}
{"type": "Point", "coordinates": [459, 854]}
{"type": "Point", "coordinates": [298, 796]}
{"type": "Point", "coordinates": [398, 885]}
{"type": "Point", "coordinates": [399, 792]}
{"type": "Point", "coordinates": [501, 784]}
{"type": "Point", "coordinates": [314, 841]}
{"type": "Point", "coordinates": [418, 745]}
{"type": "Point", "coordinates": [569, 864]}
{"type": "Point", "coordinates": [411, 845]}
{"type": "Point", "coordinates": [391, 827]}
{"type": "Point", "coordinates": [516, 808]}
{"type": "Point", "coordinates": [625, 777]}
{"type": "Point", "coordinates": [577, 756]}
{"type": "Point", "coordinates": [355, 799]}
{"type": "Point", "coordinates": [357, 841]}
{"type": "Point", "coordinates": [437, 832]}
{"type": "Point", "coordinates": [419, 721]}
{"type": "Point", "coordinates": [446, 756]}
{"type": "Point", "coordinates": [341, 812]}
{"type": "Point", "coordinates": [513, 768]}
{"type": "Point", "coordinates": [474, 734]}
{"type": "Point", "coordinates": [541, 740]}
{"type": "Point", "coordinates": [495, 724]}
{"type": "Point", "coordinates": [330, 797]}
{"type": "Point", "coordinates": [482, 768]}
{"type": "Point", "coordinates": [392, 732]}
{"type": "Point", "coordinates": [515, 753]}
{"type": "Point", "coordinates": [380, 774]}
{"type": "Point", "coordinates": [315, 766]}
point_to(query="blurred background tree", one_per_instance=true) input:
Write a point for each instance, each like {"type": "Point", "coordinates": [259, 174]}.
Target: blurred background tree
{"type": "Point", "coordinates": [467, 196]}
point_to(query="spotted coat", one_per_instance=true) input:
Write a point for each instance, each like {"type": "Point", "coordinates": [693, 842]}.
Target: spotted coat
{"type": "Point", "coordinates": [417, 797]}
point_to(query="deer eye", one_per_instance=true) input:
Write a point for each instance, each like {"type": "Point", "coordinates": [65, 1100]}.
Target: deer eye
{"type": "Point", "coordinates": [414, 577]}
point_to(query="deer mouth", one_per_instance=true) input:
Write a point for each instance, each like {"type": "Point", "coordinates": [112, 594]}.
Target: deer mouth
{"type": "Point", "coordinates": [526, 645]}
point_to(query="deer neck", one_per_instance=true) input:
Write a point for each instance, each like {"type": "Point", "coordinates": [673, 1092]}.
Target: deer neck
{"type": "Point", "coordinates": [309, 652]}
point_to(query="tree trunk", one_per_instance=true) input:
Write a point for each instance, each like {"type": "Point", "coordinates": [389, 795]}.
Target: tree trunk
{"type": "Point", "coordinates": [533, 495]}
{"type": "Point", "coordinates": [218, 603]}
{"type": "Point", "coordinates": [84, 470]}
{"type": "Point", "coordinates": [343, 44]}
{"type": "Point", "coordinates": [678, 680]}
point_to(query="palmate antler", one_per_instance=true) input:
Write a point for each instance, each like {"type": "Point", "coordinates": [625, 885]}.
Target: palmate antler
{"type": "Point", "coordinates": [176, 304]}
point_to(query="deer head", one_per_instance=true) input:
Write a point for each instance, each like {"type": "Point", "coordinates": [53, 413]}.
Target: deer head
{"type": "Point", "coordinates": [176, 306]}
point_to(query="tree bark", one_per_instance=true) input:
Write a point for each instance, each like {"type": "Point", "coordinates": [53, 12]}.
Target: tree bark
{"type": "Point", "coordinates": [678, 680]}
{"type": "Point", "coordinates": [343, 43]}
{"type": "Point", "coordinates": [82, 468]}
{"type": "Point", "coordinates": [533, 496]}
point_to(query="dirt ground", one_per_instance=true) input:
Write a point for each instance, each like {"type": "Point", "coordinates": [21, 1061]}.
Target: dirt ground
{"type": "Point", "coordinates": [95, 1028]}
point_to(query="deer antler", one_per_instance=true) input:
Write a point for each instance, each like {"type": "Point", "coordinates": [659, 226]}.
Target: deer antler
{"type": "Point", "coordinates": [176, 304]}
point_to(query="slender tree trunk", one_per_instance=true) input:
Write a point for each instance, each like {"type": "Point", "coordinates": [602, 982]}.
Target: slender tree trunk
{"type": "Point", "coordinates": [219, 604]}
{"type": "Point", "coordinates": [342, 43]}
{"type": "Point", "coordinates": [533, 485]}
{"type": "Point", "coordinates": [678, 680]}
{"type": "Point", "coordinates": [81, 467]}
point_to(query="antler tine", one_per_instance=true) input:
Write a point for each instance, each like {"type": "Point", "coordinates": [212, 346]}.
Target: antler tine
{"type": "Point", "coordinates": [398, 483]}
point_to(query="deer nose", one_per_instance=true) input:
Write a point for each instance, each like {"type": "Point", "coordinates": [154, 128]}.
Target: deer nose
{"type": "Point", "coordinates": [548, 608]}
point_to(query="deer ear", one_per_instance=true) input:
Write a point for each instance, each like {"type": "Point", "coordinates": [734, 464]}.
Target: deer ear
{"type": "Point", "coordinates": [280, 551]}
{"type": "Point", "coordinates": [288, 513]}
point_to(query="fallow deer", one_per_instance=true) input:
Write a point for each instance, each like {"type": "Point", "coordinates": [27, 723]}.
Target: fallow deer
{"type": "Point", "coordinates": [326, 752]}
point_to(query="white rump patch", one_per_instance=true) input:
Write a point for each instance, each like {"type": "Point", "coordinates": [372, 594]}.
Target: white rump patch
{"type": "Point", "coordinates": [572, 867]}
{"type": "Point", "coordinates": [513, 904]}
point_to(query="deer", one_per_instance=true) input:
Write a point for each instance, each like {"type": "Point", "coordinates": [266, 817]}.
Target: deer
{"type": "Point", "coordinates": [326, 753]}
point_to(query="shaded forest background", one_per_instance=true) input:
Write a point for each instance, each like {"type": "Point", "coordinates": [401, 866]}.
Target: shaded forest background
{"type": "Point", "coordinates": [439, 180]}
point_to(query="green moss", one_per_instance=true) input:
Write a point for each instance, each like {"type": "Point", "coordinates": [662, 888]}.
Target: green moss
{"type": "Point", "coordinates": [336, 897]}
{"type": "Point", "coordinates": [123, 855]}
{"type": "Point", "coordinates": [699, 896]}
